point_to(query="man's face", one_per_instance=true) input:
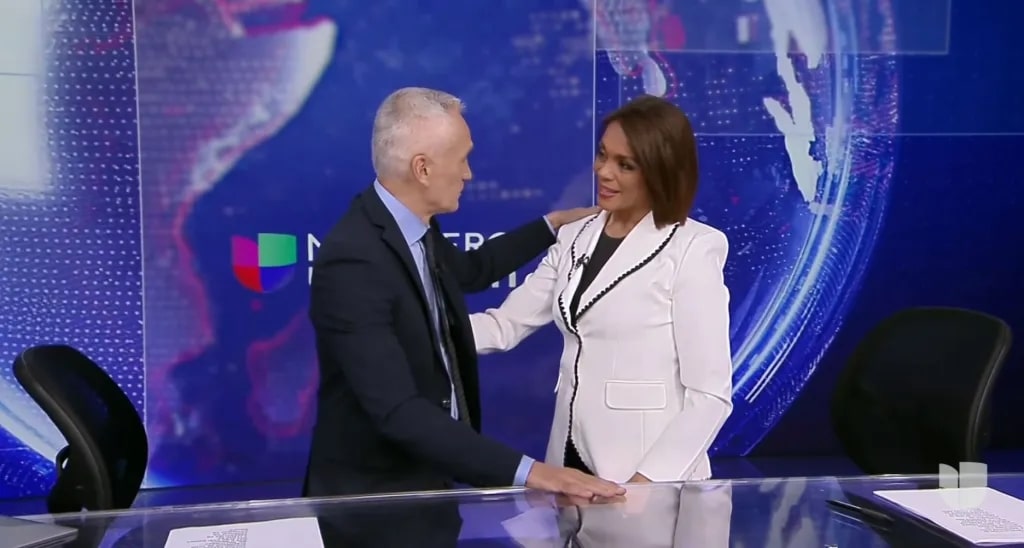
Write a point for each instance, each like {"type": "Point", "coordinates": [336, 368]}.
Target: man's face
{"type": "Point", "coordinates": [447, 168]}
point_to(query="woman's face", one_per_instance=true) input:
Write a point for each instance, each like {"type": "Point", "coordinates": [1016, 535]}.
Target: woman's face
{"type": "Point", "coordinates": [620, 184]}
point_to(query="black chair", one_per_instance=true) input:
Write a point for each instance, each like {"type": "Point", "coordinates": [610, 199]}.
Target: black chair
{"type": "Point", "coordinates": [105, 459]}
{"type": "Point", "coordinates": [917, 391]}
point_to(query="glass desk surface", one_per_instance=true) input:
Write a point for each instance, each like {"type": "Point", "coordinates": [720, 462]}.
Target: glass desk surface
{"type": "Point", "coordinates": [790, 512]}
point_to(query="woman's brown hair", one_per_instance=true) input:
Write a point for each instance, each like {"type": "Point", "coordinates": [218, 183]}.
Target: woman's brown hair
{"type": "Point", "coordinates": [665, 148]}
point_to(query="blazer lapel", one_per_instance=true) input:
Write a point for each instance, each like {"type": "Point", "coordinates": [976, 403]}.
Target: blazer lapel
{"type": "Point", "coordinates": [640, 247]}
{"type": "Point", "coordinates": [579, 251]}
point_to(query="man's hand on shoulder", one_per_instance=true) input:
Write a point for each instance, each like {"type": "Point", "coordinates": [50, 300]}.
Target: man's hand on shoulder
{"type": "Point", "coordinates": [557, 219]}
{"type": "Point", "coordinates": [567, 481]}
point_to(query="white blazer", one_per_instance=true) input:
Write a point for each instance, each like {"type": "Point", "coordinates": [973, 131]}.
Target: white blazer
{"type": "Point", "coordinates": [646, 371]}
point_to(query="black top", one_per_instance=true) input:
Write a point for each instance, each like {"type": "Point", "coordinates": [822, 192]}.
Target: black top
{"type": "Point", "coordinates": [606, 246]}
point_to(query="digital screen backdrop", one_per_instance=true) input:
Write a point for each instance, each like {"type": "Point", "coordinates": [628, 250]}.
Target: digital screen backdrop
{"type": "Point", "coordinates": [167, 169]}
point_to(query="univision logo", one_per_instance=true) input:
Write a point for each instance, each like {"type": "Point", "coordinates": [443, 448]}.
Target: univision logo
{"type": "Point", "coordinates": [964, 488]}
{"type": "Point", "coordinates": [265, 264]}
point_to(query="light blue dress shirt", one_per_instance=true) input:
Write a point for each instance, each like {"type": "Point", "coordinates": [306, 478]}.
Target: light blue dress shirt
{"type": "Point", "coordinates": [413, 229]}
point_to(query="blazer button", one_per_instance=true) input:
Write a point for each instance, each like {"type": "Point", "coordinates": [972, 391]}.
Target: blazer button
{"type": "Point", "coordinates": [446, 404]}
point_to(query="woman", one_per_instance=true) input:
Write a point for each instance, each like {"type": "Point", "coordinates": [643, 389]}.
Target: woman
{"type": "Point", "coordinates": [637, 290]}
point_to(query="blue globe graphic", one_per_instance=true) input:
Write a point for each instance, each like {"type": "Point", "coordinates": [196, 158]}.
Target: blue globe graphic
{"type": "Point", "coordinates": [797, 155]}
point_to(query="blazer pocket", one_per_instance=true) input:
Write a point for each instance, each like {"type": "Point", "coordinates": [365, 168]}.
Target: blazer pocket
{"type": "Point", "coordinates": [635, 395]}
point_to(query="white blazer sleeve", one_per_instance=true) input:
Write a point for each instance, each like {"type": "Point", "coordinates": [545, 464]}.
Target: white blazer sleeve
{"type": "Point", "coordinates": [700, 317]}
{"type": "Point", "coordinates": [526, 309]}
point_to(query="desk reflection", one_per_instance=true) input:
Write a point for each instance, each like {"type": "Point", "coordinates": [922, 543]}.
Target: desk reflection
{"type": "Point", "coordinates": [698, 515]}
{"type": "Point", "coordinates": [431, 524]}
{"type": "Point", "coordinates": [773, 512]}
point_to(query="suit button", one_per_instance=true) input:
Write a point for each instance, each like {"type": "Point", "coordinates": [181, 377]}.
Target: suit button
{"type": "Point", "coordinates": [446, 404]}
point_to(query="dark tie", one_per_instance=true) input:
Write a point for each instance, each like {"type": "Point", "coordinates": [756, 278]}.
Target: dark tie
{"type": "Point", "coordinates": [445, 324]}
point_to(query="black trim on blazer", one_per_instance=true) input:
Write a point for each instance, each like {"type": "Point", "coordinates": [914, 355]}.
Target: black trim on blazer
{"type": "Point", "coordinates": [572, 326]}
{"type": "Point", "coordinates": [569, 324]}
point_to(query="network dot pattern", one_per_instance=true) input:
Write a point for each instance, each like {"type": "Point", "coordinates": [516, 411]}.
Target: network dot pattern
{"type": "Point", "coordinates": [71, 248]}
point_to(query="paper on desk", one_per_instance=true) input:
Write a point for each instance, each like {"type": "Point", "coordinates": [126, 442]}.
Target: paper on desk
{"type": "Point", "coordinates": [981, 515]}
{"type": "Point", "coordinates": [298, 532]}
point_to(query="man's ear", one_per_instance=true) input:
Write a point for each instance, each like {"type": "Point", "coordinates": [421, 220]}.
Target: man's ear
{"type": "Point", "coordinates": [420, 168]}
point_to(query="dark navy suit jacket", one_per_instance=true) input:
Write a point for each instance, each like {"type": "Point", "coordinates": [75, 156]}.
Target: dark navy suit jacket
{"type": "Point", "coordinates": [383, 408]}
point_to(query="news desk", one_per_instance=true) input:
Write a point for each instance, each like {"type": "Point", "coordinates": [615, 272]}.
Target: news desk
{"type": "Point", "coordinates": [783, 512]}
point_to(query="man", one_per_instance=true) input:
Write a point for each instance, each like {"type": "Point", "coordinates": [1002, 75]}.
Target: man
{"type": "Point", "coordinates": [398, 405]}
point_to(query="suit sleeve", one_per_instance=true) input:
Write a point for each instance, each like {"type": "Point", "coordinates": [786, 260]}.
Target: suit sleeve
{"type": "Point", "coordinates": [498, 257]}
{"type": "Point", "coordinates": [352, 314]}
{"type": "Point", "coordinates": [700, 317]}
{"type": "Point", "coordinates": [526, 309]}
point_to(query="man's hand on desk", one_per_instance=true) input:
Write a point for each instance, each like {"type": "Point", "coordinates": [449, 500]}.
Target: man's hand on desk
{"type": "Point", "coordinates": [564, 501]}
{"type": "Point", "coordinates": [540, 499]}
{"type": "Point", "coordinates": [570, 482]}
{"type": "Point", "coordinates": [559, 218]}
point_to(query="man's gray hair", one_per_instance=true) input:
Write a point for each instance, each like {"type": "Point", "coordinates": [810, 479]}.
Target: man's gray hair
{"type": "Point", "coordinates": [398, 127]}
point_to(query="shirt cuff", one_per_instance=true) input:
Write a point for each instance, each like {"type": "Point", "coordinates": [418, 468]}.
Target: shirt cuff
{"type": "Point", "coordinates": [523, 471]}
{"type": "Point", "coordinates": [550, 227]}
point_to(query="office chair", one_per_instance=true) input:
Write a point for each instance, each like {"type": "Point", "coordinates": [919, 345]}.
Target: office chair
{"type": "Point", "coordinates": [916, 392]}
{"type": "Point", "coordinates": [105, 459]}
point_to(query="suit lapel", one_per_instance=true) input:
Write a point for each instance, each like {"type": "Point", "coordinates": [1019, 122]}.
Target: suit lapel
{"type": "Point", "coordinates": [392, 236]}
{"type": "Point", "coordinates": [639, 247]}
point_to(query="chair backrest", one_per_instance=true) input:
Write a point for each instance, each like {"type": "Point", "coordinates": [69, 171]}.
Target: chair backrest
{"type": "Point", "coordinates": [916, 392]}
{"type": "Point", "coordinates": [105, 460]}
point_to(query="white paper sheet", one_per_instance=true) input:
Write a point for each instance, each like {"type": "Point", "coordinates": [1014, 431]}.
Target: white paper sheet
{"type": "Point", "coordinates": [295, 532]}
{"type": "Point", "coordinates": [981, 515]}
